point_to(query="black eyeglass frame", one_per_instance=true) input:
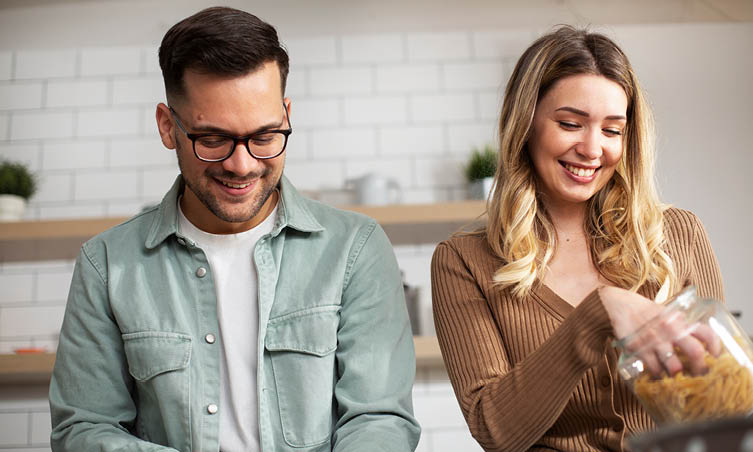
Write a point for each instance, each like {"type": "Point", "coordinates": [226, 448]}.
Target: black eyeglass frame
{"type": "Point", "coordinates": [244, 139]}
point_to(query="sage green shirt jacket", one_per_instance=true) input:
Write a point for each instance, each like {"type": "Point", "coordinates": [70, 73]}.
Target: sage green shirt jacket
{"type": "Point", "coordinates": [138, 363]}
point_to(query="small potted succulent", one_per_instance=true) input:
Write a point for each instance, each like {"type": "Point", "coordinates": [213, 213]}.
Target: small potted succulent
{"type": "Point", "coordinates": [480, 172]}
{"type": "Point", "coordinates": [17, 185]}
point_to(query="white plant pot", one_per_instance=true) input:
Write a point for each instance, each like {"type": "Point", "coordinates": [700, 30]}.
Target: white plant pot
{"type": "Point", "coordinates": [11, 207]}
{"type": "Point", "coordinates": [481, 188]}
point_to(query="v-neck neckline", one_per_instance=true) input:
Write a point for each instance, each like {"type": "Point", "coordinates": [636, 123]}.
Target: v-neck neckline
{"type": "Point", "coordinates": [554, 303]}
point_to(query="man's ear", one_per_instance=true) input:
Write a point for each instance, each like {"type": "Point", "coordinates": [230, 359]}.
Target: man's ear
{"type": "Point", "coordinates": [288, 105]}
{"type": "Point", "coordinates": [165, 125]}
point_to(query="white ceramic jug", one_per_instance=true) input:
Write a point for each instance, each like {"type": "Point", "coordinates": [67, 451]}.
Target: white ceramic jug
{"type": "Point", "coordinates": [375, 190]}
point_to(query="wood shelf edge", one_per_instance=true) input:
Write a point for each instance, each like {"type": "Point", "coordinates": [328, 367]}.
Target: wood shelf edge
{"type": "Point", "coordinates": [24, 369]}
{"type": "Point", "coordinates": [36, 368]}
{"type": "Point", "coordinates": [428, 354]}
{"type": "Point", "coordinates": [55, 229]}
{"type": "Point", "coordinates": [398, 214]}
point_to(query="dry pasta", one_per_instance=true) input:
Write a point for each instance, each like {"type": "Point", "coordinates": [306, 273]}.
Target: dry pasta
{"type": "Point", "coordinates": [725, 390]}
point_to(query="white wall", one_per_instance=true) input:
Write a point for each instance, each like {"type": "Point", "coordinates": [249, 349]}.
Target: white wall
{"type": "Point", "coordinates": [698, 78]}
{"type": "Point", "coordinates": [385, 95]}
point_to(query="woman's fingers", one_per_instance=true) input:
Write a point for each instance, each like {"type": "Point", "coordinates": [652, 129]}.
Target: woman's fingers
{"type": "Point", "coordinates": [669, 344]}
{"type": "Point", "coordinates": [705, 334]}
{"type": "Point", "coordinates": [652, 363]}
{"type": "Point", "coordinates": [668, 359]}
{"type": "Point", "coordinates": [693, 351]}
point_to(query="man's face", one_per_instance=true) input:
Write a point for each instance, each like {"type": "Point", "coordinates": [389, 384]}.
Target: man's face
{"type": "Point", "coordinates": [233, 195]}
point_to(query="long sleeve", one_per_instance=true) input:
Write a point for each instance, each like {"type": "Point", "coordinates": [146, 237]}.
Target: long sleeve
{"type": "Point", "coordinates": [509, 407]}
{"type": "Point", "coordinates": [375, 358]}
{"type": "Point", "coordinates": [90, 398]}
{"type": "Point", "coordinates": [692, 252]}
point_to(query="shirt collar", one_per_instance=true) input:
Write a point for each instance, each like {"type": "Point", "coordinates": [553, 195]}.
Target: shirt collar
{"type": "Point", "coordinates": [293, 212]}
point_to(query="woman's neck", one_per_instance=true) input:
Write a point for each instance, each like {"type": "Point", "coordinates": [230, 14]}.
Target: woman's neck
{"type": "Point", "coordinates": [568, 219]}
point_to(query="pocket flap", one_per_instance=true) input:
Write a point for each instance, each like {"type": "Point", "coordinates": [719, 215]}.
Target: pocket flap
{"type": "Point", "coordinates": [151, 353]}
{"type": "Point", "coordinates": [312, 331]}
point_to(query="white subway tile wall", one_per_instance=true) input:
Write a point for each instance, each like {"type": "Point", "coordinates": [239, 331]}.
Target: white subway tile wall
{"type": "Point", "coordinates": [45, 64]}
{"type": "Point", "coordinates": [375, 110]}
{"type": "Point", "coordinates": [24, 418]}
{"type": "Point", "coordinates": [372, 49]}
{"type": "Point", "coordinates": [443, 107]}
{"type": "Point", "coordinates": [28, 154]}
{"type": "Point", "coordinates": [21, 96]}
{"type": "Point", "coordinates": [6, 69]}
{"type": "Point", "coordinates": [111, 61]}
{"type": "Point", "coordinates": [40, 125]}
{"type": "Point", "coordinates": [343, 142]}
{"type": "Point", "coordinates": [15, 429]}
{"type": "Point", "coordinates": [150, 60]}
{"type": "Point", "coordinates": [73, 155]}
{"type": "Point", "coordinates": [77, 93]}
{"type": "Point", "coordinates": [319, 51]}
{"type": "Point", "coordinates": [344, 81]}
{"type": "Point", "coordinates": [410, 106]}
{"type": "Point", "coordinates": [408, 78]}
{"type": "Point", "coordinates": [4, 121]}
{"type": "Point", "coordinates": [442, 46]}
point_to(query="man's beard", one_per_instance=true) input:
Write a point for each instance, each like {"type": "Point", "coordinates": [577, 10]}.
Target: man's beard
{"type": "Point", "coordinates": [202, 192]}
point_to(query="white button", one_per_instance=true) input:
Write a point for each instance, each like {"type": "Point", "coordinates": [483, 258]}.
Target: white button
{"type": "Point", "coordinates": [209, 338]}
{"type": "Point", "coordinates": [181, 241]}
{"type": "Point", "coordinates": [201, 272]}
{"type": "Point", "coordinates": [211, 408]}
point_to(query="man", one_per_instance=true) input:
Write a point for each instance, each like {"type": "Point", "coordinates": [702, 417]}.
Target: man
{"type": "Point", "coordinates": [236, 315]}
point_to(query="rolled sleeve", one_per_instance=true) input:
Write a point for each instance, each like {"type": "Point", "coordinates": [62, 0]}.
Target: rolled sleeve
{"type": "Point", "coordinates": [375, 358]}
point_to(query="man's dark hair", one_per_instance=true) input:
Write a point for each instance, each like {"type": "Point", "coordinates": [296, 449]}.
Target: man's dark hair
{"type": "Point", "coordinates": [220, 41]}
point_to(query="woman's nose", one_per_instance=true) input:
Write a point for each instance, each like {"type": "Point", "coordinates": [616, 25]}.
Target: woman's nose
{"type": "Point", "coordinates": [591, 146]}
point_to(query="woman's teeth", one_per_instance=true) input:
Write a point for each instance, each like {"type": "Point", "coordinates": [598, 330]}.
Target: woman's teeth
{"type": "Point", "coordinates": [228, 184]}
{"type": "Point", "coordinates": [582, 172]}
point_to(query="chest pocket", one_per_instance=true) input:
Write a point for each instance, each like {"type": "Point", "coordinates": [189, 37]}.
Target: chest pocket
{"type": "Point", "coordinates": [158, 362]}
{"type": "Point", "coordinates": [301, 346]}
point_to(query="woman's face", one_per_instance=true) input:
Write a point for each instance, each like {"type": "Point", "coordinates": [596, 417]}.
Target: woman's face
{"type": "Point", "coordinates": [577, 137]}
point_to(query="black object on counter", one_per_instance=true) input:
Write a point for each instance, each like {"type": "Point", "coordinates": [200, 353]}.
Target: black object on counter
{"type": "Point", "coordinates": [722, 435]}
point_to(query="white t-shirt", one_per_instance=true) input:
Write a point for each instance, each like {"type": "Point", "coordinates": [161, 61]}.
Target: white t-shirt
{"type": "Point", "coordinates": [231, 261]}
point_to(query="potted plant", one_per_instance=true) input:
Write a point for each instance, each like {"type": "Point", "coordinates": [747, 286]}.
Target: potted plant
{"type": "Point", "coordinates": [17, 185]}
{"type": "Point", "coordinates": [480, 172]}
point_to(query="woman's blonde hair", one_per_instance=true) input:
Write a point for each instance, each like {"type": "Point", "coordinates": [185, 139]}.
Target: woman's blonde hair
{"type": "Point", "coordinates": [624, 220]}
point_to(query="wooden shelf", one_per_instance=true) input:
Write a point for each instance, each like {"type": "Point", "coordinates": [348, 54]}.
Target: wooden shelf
{"type": "Point", "coordinates": [26, 368]}
{"type": "Point", "coordinates": [36, 368]}
{"type": "Point", "coordinates": [428, 354]}
{"type": "Point", "coordinates": [403, 223]}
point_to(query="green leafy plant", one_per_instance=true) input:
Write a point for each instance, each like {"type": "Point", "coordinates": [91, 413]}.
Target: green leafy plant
{"type": "Point", "coordinates": [16, 179]}
{"type": "Point", "coordinates": [482, 163]}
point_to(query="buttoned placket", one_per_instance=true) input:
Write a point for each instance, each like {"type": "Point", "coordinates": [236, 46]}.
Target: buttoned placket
{"type": "Point", "coordinates": [206, 305]}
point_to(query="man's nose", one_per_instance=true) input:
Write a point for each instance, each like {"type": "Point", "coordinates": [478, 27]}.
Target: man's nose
{"type": "Point", "coordinates": [241, 162]}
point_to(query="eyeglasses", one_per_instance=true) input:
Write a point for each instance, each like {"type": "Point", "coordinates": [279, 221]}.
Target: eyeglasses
{"type": "Point", "coordinates": [216, 147]}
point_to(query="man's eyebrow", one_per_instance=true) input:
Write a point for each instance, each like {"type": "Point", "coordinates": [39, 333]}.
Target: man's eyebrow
{"type": "Point", "coordinates": [215, 129]}
{"type": "Point", "coordinates": [586, 115]}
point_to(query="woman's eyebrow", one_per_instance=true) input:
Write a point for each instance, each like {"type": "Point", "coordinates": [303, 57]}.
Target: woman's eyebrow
{"type": "Point", "coordinates": [585, 114]}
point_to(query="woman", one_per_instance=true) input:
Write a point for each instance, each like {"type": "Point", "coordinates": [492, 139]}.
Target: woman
{"type": "Point", "coordinates": [576, 244]}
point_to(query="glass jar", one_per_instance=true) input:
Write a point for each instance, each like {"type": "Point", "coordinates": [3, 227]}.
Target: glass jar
{"type": "Point", "coordinates": [721, 384]}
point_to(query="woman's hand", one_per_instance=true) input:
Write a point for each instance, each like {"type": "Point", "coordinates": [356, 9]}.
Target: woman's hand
{"type": "Point", "coordinates": [628, 311]}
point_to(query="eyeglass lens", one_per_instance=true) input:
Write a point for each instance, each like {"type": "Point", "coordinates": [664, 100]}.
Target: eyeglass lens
{"type": "Point", "coordinates": [217, 147]}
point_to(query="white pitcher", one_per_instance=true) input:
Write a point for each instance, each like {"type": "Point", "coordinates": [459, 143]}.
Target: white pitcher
{"type": "Point", "coordinates": [375, 190]}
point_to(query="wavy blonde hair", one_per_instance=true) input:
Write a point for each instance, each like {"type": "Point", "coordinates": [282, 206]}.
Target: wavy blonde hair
{"type": "Point", "coordinates": [624, 220]}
